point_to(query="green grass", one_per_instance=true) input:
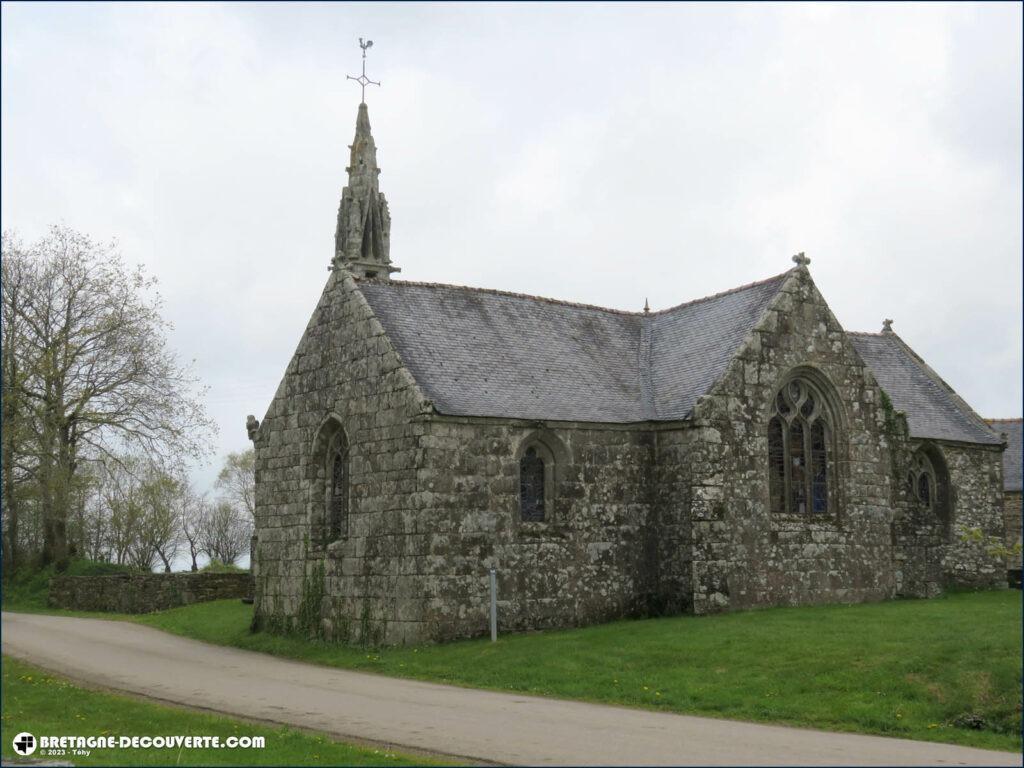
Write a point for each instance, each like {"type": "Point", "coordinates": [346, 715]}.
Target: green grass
{"type": "Point", "coordinates": [920, 669]}
{"type": "Point", "coordinates": [45, 704]}
{"type": "Point", "coordinates": [909, 668]}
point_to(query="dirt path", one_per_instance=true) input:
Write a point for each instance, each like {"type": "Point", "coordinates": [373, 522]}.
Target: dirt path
{"type": "Point", "coordinates": [493, 727]}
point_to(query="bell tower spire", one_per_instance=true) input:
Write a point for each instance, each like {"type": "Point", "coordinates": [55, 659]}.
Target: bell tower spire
{"type": "Point", "coordinates": [362, 238]}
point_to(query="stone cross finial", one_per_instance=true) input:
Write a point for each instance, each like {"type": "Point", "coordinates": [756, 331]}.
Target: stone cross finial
{"type": "Point", "coordinates": [887, 326]}
{"type": "Point", "coordinates": [363, 80]}
{"type": "Point", "coordinates": [800, 260]}
{"type": "Point", "coordinates": [647, 306]}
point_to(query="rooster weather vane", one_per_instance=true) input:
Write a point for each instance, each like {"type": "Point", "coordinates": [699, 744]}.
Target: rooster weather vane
{"type": "Point", "coordinates": [363, 80]}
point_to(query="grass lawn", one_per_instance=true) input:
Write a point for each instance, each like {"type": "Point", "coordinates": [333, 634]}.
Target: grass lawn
{"type": "Point", "coordinates": [44, 704]}
{"type": "Point", "coordinates": [947, 669]}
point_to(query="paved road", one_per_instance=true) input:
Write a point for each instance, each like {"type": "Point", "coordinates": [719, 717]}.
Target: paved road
{"type": "Point", "coordinates": [481, 725]}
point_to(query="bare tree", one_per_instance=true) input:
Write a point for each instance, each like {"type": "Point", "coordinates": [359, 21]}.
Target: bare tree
{"type": "Point", "coordinates": [160, 533]}
{"type": "Point", "coordinates": [237, 480]}
{"type": "Point", "coordinates": [193, 510]}
{"type": "Point", "coordinates": [90, 369]}
{"type": "Point", "coordinates": [226, 532]}
{"type": "Point", "coordinates": [120, 497]}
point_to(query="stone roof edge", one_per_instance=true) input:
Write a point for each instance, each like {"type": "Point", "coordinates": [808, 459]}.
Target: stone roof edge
{"type": "Point", "coordinates": [1011, 420]}
{"type": "Point", "coordinates": [997, 446]}
{"type": "Point", "coordinates": [931, 373]}
{"type": "Point", "coordinates": [573, 304]}
{"type": "Point", "coordinates": [718, 295]}
{"type": "Point", "coordinates": [279, 389]}
{"type": "Point", "coordinates": [349, 281]}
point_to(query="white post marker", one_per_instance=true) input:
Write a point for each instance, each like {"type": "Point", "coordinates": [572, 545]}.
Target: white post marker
{"type": "Point", "coordinates": [494, 607]}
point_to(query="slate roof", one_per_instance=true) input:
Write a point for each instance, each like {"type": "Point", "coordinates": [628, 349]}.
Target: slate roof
{"type": "Point", "coordinates": [477, 352]}
{"type": "Point", "coordinates": [692, 344]}
{"type": "Point", "coordinates": [1012, 456]}
{"type": "Point", "coordinates": [933, 409]}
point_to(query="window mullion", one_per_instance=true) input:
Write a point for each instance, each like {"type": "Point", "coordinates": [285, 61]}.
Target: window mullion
{"type": "Point", "coordinates": [786, 469]}
{"type": "Point", "coordinates": [808, 468]}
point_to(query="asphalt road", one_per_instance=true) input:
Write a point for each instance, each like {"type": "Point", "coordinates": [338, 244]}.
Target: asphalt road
{"type": "Point", "coordinates": [479, 725]}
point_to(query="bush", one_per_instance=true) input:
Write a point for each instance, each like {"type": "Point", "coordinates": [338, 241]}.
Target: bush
{"type": "Point", "coordinates": [216, 566]}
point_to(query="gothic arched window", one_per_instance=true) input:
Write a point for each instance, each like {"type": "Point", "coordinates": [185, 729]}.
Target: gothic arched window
{"type": "Point", "coordinates": [337, 487]}
{"type": "Point", "coordinates": [800, 460]}
{"type": "Point", "coordinates": [929, 490]}
{"type": "Point", "coordinates": [532, 486]}
{"type": "Point", "coordinates": [923, 481]}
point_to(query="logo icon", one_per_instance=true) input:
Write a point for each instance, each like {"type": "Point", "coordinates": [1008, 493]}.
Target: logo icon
{"type": "Point", "coordinates": [25, 744]}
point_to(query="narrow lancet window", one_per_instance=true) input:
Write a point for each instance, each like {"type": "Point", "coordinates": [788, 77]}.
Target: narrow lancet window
{"type": "Point", "coordinates": [337, 490]}
{"type": "Point", "coordinates": [531, 486]}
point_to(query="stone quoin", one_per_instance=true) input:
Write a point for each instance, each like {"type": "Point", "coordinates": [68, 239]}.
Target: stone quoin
{"type": "Point", "coordinates": [736, 451]}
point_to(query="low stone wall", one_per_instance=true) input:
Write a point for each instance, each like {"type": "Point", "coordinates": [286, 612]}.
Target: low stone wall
{"type": "Point", "coordinates": [145, 592]}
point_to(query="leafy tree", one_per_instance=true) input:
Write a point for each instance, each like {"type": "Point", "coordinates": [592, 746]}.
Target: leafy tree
{"type": "Point", "coordinates": [237, 480]}
{"type": "Point", "coordinates": [87, 374]}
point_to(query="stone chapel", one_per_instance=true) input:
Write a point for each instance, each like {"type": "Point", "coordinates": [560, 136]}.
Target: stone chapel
{"type": "Point", "coordinates": [734, 451]}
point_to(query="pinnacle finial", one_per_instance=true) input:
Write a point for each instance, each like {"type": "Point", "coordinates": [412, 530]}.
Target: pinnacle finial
{"type": "Point", "coordinates": [887, 326]}
{"type": "Point", "coordinates": [363, 80]}
{"type": "Point", "coordinates": [800, 260]}
{"type": "Point", "coordinates": [647, 306]}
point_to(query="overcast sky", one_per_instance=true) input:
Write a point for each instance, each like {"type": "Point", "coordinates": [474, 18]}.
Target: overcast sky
{"type": "Point", "coordinates": [596, 153]}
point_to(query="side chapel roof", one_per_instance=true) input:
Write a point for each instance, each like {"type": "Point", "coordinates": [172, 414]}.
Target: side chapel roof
{"type": "Point", "coordinates": [933, 409]}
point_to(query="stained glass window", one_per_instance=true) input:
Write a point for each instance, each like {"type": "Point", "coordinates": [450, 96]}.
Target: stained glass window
{"type": "Point", "coordinates": [337, 489]}
{"type": "Point", "coordinates": [776, 466]}
{"type": "Point", "coordinates": [819, 469]}
{"type": "Point", "coordinates": [531, 487]}
{"type": "Point", "coordinates": [799, 460]}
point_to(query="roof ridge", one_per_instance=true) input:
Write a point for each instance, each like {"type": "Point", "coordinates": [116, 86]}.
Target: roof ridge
{"type": "Point", "coordinates": [498, 292]}
{"type": "Point", "coordinates": [565, 302]}
{"type": "Point", "coordinates": [1017, 419]}
{"type": "Point", "coordinates": [737, 289]}
{"type": "Point", "coordinates": [865, 333]}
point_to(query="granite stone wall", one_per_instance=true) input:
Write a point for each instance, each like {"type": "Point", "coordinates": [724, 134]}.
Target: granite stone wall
{"type": "Point", "coordinates": [641, 519]}
{"type": "Point", "coordinates": [359, 588]}
{"type": "Point", "coordinates": [145, 592]}
{"type": "Point", "coordinates": [1013, 522]}
{"type": "Point", "coordinates": [978, 531]}
{"type": "Point", "coordinates": [921, 534]}
{"type": "Point", "coordinates": [589, 561]}
{"type": "Point", "coordinates": [743, 554]}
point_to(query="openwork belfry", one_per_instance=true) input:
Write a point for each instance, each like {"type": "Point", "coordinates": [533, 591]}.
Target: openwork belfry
{"type": "Point", "coordinates": [735, 451]}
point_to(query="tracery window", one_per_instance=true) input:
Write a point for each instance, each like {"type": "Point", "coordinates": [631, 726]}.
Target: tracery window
{"type": "Point", "coordinates": [531, 486]}
{"type": "Point", "coordinates": [922, 481]}
{"type": "Point", "coordinates": [800, 446]}
{"type": "Point", "coordinates": [337, 487]}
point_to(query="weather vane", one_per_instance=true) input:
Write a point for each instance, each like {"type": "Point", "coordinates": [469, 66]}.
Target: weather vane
{"type": "Point", "coordinates": [363, 80]}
